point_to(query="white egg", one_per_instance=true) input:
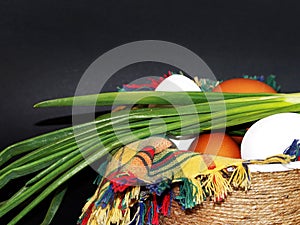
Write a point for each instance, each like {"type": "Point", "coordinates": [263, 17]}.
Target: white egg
{"type": "Point", "coordinates": [270, 136]}
{"type": "Point", "coordinates": [183, 143]}
{"type": "Point", "coordinates": [178, 82]}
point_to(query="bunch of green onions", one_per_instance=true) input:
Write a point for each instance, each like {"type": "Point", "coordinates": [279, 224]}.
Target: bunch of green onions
{"type": "Point", "coordinates": [55, 157]}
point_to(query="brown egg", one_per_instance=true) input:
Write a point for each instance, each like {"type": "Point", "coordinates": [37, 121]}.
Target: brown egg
{"type": "Point", "coordinates": [219, 144]}
{"type": "Point", "coordinates": [243, 85]}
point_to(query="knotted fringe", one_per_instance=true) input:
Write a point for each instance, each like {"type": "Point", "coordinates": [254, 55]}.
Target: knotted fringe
{"type": "Point", "coordinates": [132, 206]}
{"type": "Point", "coordinates": [113, 208]}
{"type": "Point", "coordinates": [153, 211]}
{"type": "Point", "coordinates": [165, 208]}
{"type": "Point", "coordinates": [216, 186]}
{"type": "Point", "coordinates": [241, 177]}
{"type": "Point", "coordinates": [190, 193]}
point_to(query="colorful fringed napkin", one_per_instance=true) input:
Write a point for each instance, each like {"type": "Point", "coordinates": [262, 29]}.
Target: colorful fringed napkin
{"type": "Point", "coordinates": [137, 186]}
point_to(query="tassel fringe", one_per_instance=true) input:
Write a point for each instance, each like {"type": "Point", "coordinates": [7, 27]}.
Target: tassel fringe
{"type": "Point", "coordinates": [115, 207]}
{"type": "Point", "coordinates": [217, 187]}
{"type": "Point", "coordinates": [241, 177]}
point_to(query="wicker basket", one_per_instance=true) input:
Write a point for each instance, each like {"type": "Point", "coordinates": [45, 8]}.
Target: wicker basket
{"type": "Point", "coordinates": [274, 198]}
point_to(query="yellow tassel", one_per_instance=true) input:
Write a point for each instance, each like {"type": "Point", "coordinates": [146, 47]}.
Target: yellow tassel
{"type": "Point", "coordinates": [126, 200]}
{"type": "Point", "coordinates": [280, 158]}
{"type": "Point", "coordinates": [94, 222]}
{"type": "Point", "coordinates": [216, 186]}
{"type": "Point", "coordinates": [115, 215]}
{"type": "Point", "coordinates": [135, 217]}
{"type": "Point", "coordinates": [89, 202]}
{"type": "Point", "coordinates": [126, 217]}
{"type": "Point", "coordinates": [135, 192]}
{"type": "Point", "coordinates": [131, 197]}
{"type": "Point", "coordinates": [241, 177]}
{"type": "Point", "coordinates": [100, 216]}
{"type": "Point", "coordinates": [197, 190]}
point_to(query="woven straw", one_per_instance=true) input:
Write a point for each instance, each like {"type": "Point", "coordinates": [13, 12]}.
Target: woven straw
{"type": "Point", "coordinates": [274, 198]}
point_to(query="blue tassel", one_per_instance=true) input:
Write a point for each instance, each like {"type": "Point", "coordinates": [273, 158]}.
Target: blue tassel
{"type": "Point", "coordinates": [160, 187]}
{"type": "Point", "coordinates": [293, 149]}
{"type": "Point", "coordinates": [142, 213]}
{"type": "Point", "coordinates": [150, 214]}
{"type": "Point", "coordinates": [106, 198]}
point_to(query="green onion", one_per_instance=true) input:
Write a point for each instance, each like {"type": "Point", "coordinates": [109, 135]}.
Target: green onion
{"type": "Point", "coordinates": [55, 157]}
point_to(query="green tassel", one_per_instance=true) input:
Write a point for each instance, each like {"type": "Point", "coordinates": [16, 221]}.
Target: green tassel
{"type": "Point", "coordinates": [186, 194]}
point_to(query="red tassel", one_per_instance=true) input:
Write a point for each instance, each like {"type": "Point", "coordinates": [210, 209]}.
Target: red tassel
{"type": "Point", "coordinates": [208, 160]}
{"type": "Point", "coordinates": [165, 207]}
{"type": "Point", "coordinates": [87, 215]}
{"type": "Point", "coordinates": [153, 83]}
{"type": "Point", "coordinates": [155, 219]}
{"type": "Point", "coordinates": [120, 182]}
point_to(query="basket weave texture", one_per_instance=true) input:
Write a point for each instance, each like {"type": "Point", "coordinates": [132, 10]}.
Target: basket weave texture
{"type": "Point", "coordinates": [274, 198]}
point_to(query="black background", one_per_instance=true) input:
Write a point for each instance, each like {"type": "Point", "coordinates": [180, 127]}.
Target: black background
{"type": "Point", "coordinates": [45, 47]}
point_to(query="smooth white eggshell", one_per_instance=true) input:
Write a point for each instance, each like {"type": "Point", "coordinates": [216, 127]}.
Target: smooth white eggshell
{"type": "Point", "coordinates": [270, 136]}
{"type": "Point", "coordinates": [183, 143]}
{"type": "Point", "coordinates": [178, 82]}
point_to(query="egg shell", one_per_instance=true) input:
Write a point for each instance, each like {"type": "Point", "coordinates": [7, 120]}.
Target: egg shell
{"type": "Point", "coordinates": [243, 85]}
{"type": "Point", "coordinates": [183, 143]}
{"type": "Point", "coordinates": [178, 82]}
{"type": "Point", "coordinates": [270, 136]}
{"type": "Point", "coordinates": [216, 143]}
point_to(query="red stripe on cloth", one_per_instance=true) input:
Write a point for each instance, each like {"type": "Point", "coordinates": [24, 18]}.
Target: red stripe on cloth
{"type": "Point", "coordinates": [150, 150]}
{"type": "Point", "coordinates": [208, 160]}
{"type": "Point", "coordinates": [163, 162]}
